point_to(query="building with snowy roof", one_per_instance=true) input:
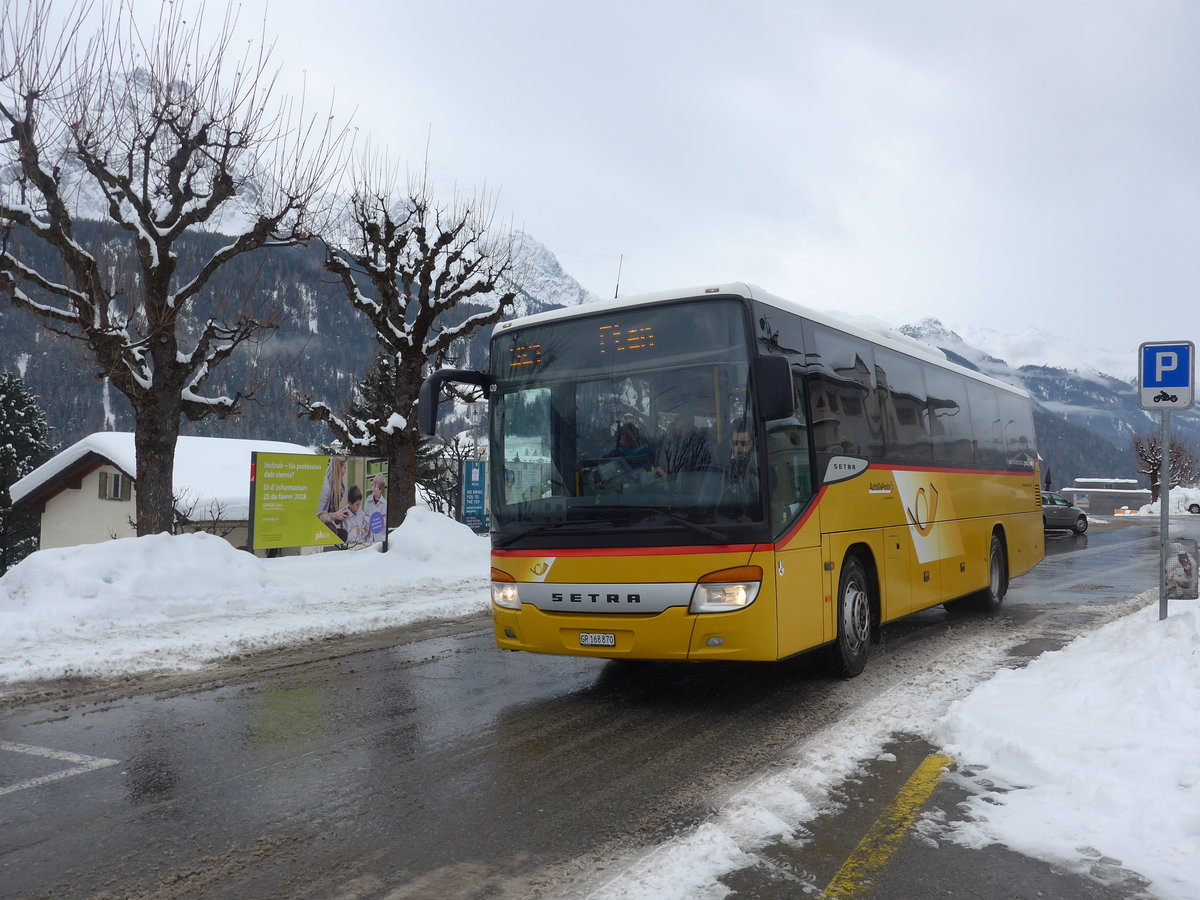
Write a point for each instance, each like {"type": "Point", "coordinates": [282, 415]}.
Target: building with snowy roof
{"type": "Point", "coordinates": [1106, 496]}
{"type": "Point", "coordinates": [85, 494]}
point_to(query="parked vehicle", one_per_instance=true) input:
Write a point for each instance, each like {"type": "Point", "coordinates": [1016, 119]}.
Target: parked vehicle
{"type": "Point", "coordinates": [1057, 512]}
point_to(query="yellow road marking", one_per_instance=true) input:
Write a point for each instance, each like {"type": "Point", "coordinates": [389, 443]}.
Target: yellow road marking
{"type": "Point", "coordinates": [876, 849]}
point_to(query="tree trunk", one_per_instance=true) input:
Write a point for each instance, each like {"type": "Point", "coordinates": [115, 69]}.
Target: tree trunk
{"type": "Point", "coordinates": [402, 476]}
{"type": "Point", "coordinates": [156, 430]}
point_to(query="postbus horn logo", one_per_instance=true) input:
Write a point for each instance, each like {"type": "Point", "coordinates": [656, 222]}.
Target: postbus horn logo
{"type": "Point", "coordinates": [923, 519]}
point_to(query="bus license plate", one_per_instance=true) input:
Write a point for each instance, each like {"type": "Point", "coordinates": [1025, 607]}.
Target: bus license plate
{"type": "Point", "coordinates": [594, 639]}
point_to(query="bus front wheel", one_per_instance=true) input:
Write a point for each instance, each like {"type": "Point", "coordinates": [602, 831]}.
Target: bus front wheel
{"type": "Point", "coordinates": [847, 655]}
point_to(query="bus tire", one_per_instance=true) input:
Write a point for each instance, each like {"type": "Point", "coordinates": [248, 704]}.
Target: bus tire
{"type": "Point", "coordinates": [991, 598]}
{"type": "Point", "coordinates": [847, 655]}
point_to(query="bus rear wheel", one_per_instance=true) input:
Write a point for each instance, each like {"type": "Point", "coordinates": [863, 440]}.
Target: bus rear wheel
{"type": "Point", "coordinates": [847, 655]}
{"type": "Point", "coordinates": [990, 599]}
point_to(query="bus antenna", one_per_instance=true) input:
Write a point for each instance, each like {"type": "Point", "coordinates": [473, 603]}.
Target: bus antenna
{"type": "Point", "coordinates": [620, 262]}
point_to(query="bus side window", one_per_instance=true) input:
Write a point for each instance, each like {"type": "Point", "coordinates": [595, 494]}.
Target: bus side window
{"type": "Point", "coordinates": [845, 411]}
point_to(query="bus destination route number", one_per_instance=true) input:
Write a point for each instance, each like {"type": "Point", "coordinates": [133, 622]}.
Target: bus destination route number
{"type": "Point", "coordinates": [528, 355]}
{"type": "Point", "coordinates": [620, 339]}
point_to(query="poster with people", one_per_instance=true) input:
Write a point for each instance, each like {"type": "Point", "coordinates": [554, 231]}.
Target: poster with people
{"type": "Point", "coordinates": [298, 500]}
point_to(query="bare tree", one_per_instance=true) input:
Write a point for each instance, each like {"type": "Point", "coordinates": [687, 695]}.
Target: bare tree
{"type": "Point", "coordinates": [426, 275]}
{"type": "Point", "coordinates": [193, 514]}
{"type": "Point", "coordinates": [1183, 464]}
{"type": "Point", "coordinates": [162, 131]}
{"type": "Point", "coordinates": [441, 465]}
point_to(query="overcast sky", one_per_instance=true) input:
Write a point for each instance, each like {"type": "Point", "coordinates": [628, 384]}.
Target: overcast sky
{"type": "Point", "coordinates": [1005, 163]}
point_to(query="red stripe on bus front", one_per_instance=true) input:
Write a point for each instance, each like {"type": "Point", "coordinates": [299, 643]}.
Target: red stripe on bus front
{"type": "Point", "coordinates": [635, 551]}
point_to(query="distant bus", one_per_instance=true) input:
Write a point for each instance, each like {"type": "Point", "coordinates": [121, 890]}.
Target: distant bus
{"type": "Point", "coordinates": [721, 474]}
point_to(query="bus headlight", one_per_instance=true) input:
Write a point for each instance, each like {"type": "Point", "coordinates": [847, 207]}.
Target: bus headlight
{"type": "Point", "coordinates": [726, 590]}
{"type": "Point", "coordinates": [504, 590]}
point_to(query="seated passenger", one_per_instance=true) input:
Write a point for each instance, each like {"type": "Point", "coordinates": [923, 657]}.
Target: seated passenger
{"type": "Point", "coordinates": [632, 448]}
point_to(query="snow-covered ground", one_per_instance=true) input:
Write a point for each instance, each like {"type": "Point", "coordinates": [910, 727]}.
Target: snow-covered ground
{"type": "Point", "coordinates": [1094, 749]}
{"type": "Point", "coordinates": [174, 603]}
{"type": "Point", "coordinates": [1180, 500]}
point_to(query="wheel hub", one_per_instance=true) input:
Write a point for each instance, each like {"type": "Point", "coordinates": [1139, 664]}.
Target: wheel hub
{"type": "Point", "coordinates": [857, 614]}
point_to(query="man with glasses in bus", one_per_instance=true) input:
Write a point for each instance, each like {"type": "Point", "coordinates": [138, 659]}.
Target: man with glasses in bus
{"type": "Point", "coordinates": [741, 471]}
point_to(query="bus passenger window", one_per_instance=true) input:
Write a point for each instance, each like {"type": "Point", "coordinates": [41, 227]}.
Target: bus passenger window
{"type": "Point", "coordinates": [844, 405]}
{"type": "Point", "coordinates": [904, 406]}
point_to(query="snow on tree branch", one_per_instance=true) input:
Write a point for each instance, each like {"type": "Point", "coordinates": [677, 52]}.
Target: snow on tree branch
{"type": "Point", "coordinates": [161, 130]}
{"type": "Point", "coordinates": [426, 274]}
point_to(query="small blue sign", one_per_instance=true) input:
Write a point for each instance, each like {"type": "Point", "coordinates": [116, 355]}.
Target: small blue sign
{"type": "Point", "coordinates": [1166, 375]}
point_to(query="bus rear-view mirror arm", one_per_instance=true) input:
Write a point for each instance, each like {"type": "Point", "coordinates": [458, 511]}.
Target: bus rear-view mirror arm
{"type": "Point", "coordinates": [773, 383]}
{"type": "Point", "coordinates": [427, 400]}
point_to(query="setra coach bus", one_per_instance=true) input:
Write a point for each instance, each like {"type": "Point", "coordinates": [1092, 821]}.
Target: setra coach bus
{"type": "Point", "coordinates": [722, 474]}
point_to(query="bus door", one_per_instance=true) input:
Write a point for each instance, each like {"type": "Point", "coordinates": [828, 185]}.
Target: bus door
{"type": "Point", "coordinates": [799, 590]}
{"type": "Point", "coordinates": [897, 573]}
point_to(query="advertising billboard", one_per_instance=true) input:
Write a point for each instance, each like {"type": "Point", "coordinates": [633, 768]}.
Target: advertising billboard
{"type": "Point", "coordinates": [474, 494]}
{"type": "Point", "coordinates": [298, 500]}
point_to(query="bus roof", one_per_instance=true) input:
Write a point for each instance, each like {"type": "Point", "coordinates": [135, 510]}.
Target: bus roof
{"type": "Point", "coordinates": [888, 338]}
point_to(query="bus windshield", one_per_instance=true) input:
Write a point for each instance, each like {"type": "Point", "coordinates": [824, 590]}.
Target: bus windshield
{"type": "Point", "coordinates": [636, 424]}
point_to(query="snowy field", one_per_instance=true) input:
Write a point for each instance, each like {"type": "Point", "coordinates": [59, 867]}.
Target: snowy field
{"type": "Point", "coordinates": [1096, 746]}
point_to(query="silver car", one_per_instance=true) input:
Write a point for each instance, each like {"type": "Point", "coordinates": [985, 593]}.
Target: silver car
{"type": "Point", "coordinates": [1057, 512]}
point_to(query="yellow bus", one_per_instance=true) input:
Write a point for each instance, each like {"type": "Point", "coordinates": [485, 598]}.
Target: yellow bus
{"type": "Point", "coordinates": [722, 474]}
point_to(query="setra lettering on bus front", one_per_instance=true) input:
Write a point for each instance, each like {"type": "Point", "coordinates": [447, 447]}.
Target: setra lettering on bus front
{"type": "Point", "coordinates": [596, 598]}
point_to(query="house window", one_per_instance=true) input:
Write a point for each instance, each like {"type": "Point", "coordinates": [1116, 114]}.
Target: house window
{"type": "Point", "coordinates": [114, 486]}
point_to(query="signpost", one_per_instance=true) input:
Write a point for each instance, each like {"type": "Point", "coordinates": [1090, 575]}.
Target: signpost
{"type": "Point", "coordinates": [1166, 381]}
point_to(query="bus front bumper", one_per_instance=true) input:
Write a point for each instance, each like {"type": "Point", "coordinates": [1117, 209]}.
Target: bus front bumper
{"type": "Point", "coordinates": [674, 634]}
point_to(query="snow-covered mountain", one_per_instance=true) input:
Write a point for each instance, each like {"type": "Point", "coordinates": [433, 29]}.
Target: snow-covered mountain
{"type": "Point", "coordinates": [546, 285]}
{"type": "Point", "coordinates": [1027, 347]}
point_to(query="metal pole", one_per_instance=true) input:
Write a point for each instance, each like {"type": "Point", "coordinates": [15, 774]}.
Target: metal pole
{"type": "Point", "coordinates": [1164, 527]}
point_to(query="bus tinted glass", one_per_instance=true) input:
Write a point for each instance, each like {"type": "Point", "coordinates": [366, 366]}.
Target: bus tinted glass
{"type": "Point", "coordinates": [904, 406]}
{"type": "Point", "coordinates": [1017, 414]}
{"type": "Point", "coordinates": [637, 424]}
{"type": "Point", "coordinates": [987, 426]}
{"type": "Point", "coordinates": [845, 408]}
{"type": "Point", "coordinates": [949, 417]}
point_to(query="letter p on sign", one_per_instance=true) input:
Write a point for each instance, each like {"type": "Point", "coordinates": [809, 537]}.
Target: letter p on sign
{"type": "Point", "coordinates": [1166, 375]}
{"type": "Point", "coordinates": [1166, 361]}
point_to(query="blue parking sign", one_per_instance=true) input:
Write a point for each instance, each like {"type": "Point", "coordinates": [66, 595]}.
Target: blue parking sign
{"type": "Point", "coordinates": [1166, 375]}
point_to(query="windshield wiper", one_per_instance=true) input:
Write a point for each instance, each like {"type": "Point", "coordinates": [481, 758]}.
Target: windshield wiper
{"type": "Point", "coordinates": [502, 542]}
{"type": "Point", "coordinates": [675, 517]}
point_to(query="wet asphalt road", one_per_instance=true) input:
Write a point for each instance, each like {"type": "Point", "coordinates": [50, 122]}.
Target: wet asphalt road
{"type": "Point", "coordinates": [446, 768]}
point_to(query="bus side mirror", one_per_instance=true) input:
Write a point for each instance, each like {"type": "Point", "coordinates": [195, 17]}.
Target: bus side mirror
{"type": "Point", "coordinates": [773, 386]}
{"type": "Point", "coordinates": [427, 399]}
